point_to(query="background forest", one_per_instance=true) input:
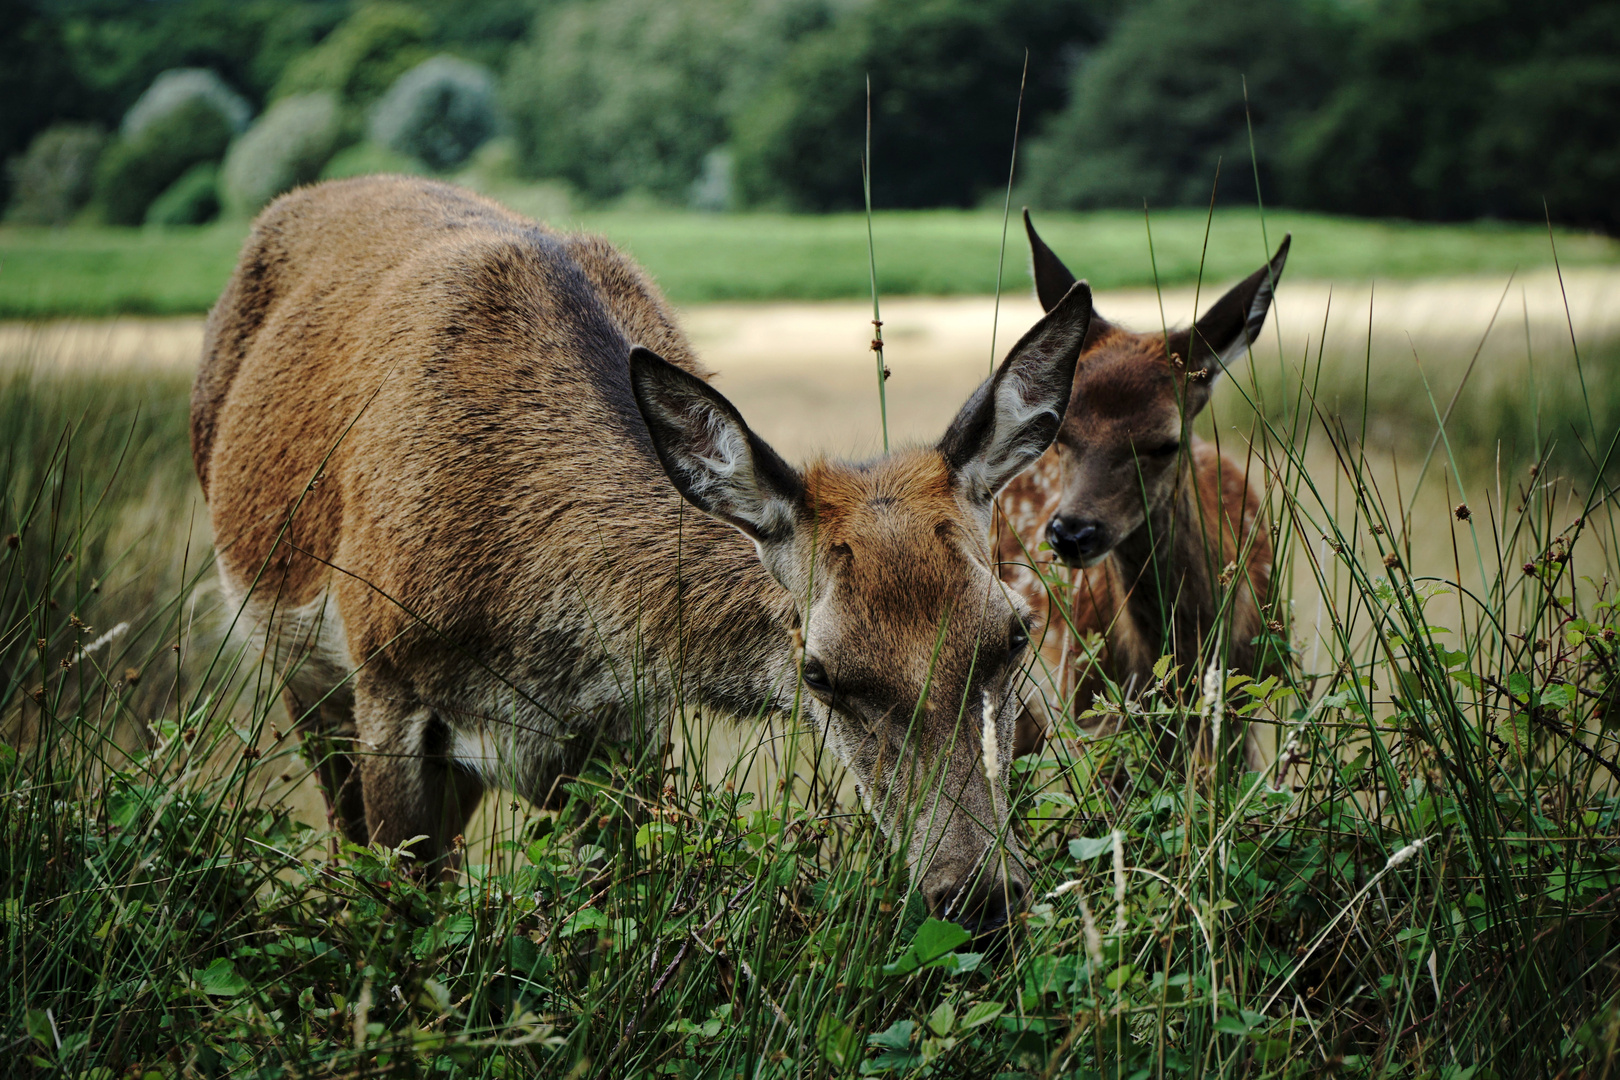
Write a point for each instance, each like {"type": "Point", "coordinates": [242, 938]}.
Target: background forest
{"type": "Point", "coordinates": [174, 111]}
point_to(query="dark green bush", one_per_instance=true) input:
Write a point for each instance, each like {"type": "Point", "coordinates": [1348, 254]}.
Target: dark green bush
{"type": "Point", "coordinates": [362, 58]}
{"type": "Point", "coordinates": [38, 85]}
{"type": "Point", "coordinates": [1461, 108]}
{"type": "Point", "coordinates": [1156, 105]}
{"type": "Point", "coordinates": [52, 181]}
{"type": "Point", "coordinates": [134, 171]}
{"type": "Point", "coordinates": [945, 82]}
{"type": "Point", "coordinates": [630, 95]}
{"type": "Point", "coordinates": [191, 200]}
{"type": "Point", "coordinates": [439, 112]}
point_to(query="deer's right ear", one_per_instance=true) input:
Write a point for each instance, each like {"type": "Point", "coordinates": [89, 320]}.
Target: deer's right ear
{"type": "Point", "coordinates": [1015, 414]}
{"type": "Point", "coordinates": [1052, 279]}
{"type": "Point", "coordinates": [709, 453]}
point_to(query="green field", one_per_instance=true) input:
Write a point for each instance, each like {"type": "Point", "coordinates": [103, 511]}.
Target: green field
{"type": "Point", "coordinates": [700, 258]}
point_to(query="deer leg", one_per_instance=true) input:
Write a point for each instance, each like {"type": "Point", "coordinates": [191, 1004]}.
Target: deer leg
{"type": "Point", "coordinates": [412, 787]}
{"type": "Point", "coordinates": [326, 732]}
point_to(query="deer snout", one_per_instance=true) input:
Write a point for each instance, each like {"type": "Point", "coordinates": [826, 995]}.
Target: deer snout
{"type": "Point", "coordinates": [1077, 541]}
{"type": "Point", "coordinates": [981, 901]}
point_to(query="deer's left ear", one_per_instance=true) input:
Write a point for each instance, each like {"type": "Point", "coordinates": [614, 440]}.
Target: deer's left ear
{"type": "Point", "coordinates": [1233, 323]}
{"type": "Point", "coordinates": [1014, 415]}
{"type": "Point", "coordinates": [1052, 279]}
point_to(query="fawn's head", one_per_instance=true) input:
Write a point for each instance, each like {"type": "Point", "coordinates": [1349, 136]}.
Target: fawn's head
{"type": "Point", "coordinates": [1135, 397]}
{"type": "Point", "coordinates": [911, 647]}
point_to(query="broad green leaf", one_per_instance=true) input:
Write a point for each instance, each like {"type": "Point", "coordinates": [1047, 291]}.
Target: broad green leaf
{"type": "Point", "coordinates": [1084, 848]}
{"type": "Point", "coordinates": [220, 979]}
{"type": "Point", "coordinates": [897, 1036]}
{"type": "Point", "coordinates": [982, 1013]}
{"type": "Point", "coordinates": [942, 1019]}
{"type": "Point", "coordinates": [935, 940]}
{"type": "Point", "coordinates": [581, 921]}
{"type": "Point", "coordinates": [838, 1042]}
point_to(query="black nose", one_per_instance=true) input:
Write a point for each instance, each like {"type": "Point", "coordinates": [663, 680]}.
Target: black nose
{"type": "Point", "coordinates": [1074, 539]}
{"type": "Point", "coordinates": [982, 907]}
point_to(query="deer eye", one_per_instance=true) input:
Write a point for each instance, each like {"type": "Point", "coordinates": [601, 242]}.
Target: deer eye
{"type": "Point", "coordinates": [1018, 641]}
{"type": "Point", "coordinates": [1165, 449]}
{"type": "Point", "coordinates": [815, 676]}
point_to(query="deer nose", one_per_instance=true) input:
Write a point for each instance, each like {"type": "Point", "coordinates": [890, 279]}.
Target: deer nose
{"type": "Point", "coordinates": [979, 904]}
{"type": "Point", "coordinates": [1075, 540]}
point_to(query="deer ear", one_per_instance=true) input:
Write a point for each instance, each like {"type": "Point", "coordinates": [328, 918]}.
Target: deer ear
{"type": "Point", "coordinates": [1014, 415]}
{"type": "Point", "coordinates": [1233, 323]}
{"type": "Point", "coordinates": [1052, 279]}
{"type": "Point", "coordinates": [709, 453]}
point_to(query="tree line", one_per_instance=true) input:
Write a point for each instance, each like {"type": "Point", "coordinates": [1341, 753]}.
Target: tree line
{"type": "Point", "coordinates": [1425, 109]}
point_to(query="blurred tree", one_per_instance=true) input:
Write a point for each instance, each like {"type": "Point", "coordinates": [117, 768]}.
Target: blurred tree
{"type": "Point", "coordinates": [119, 46]}
{"type": "Point", "coordinates": [135, 170]}
{"type": "Point", "coordinates": [52, 181]}
{"type": "Point", "coordinates": [178, 87]}
{"type": "Point", "coordinates": [632, 95]}
{"type": "Point", "coordinates": [360, 60]}
{"type": "Point", "coordinates": [38, 85]}
{"type": "Point", "coordinates": [1456, 108]}
{"type": "Point", "coordinates": [191, 200]}
{"type": "Point", "coordinates": [438, 112]}
{"type": "Point", "coordinates": [1156, 105]}
{"type": "Point", "coordinates": [286, 147]}
{"type": "Point", "coordinates": [945, 80]}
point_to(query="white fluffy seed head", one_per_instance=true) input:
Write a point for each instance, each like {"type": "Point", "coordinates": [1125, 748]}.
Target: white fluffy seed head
{"type": "Point", "coordinates": [1093, 938]}
{"type": "Point", "coordinates": [1214, 684]}
{"type": "Point", "coordinates": [1406, 853]}
{"type": "Point", "coordinates": [989, 742]}
{"type": "Point", "coordinates": [1119, 881]}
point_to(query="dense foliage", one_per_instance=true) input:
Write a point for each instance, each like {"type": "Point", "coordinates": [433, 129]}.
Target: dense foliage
{"type": "Point", "coordinates": [1159, 103]}
{"type": "Point", "coordinates": [1428, 109]}
{"type": "Point", "coordinates": [438, 112]}
{"type": "Point", "coordinates": [1423, 885]}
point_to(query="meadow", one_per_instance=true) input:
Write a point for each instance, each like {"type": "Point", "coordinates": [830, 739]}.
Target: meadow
{"type": "Point", "coordinates": [86, 271]}
{"type": "Point", "coordinates": [1422, 883]}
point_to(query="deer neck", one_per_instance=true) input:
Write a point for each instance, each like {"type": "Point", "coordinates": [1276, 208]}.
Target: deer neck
{"type": "Point", "coordinates": [1164, 572]}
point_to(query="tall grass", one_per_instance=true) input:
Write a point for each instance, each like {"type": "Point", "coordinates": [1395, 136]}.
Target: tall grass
{"type": "Point", "coordinates": [1423, 883]}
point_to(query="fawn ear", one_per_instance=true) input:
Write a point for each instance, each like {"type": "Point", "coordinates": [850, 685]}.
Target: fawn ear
{"type": "Point", "coordinates": [1014, 415]}
{"type": "Point", "coordinates": [1233, 323]}
{"type": "Point", "coordinates": [711, 456]}
{"type": "Point", "coordinates": [1052, 279]}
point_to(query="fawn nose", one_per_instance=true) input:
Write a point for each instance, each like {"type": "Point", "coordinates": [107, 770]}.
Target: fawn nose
{"type": "Point", "coordinates": [978, 903]}
{"type": "Point", "coordinates": [1075, 540]}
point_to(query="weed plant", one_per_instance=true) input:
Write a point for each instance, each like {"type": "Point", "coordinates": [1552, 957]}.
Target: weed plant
{"type": "Point", "coordinates": [1423, 883]}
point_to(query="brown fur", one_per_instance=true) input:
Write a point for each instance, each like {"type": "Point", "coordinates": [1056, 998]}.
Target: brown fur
{"type": "Point", "coordinates": [1175, 523]}
{"type": "Point", "coordinates": [438, 490]}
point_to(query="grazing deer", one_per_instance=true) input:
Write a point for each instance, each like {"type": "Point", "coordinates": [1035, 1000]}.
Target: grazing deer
{"type": "Point", "coordinates": [1153, 520]}
{"type": "Point", "coordinates": [445, 451]}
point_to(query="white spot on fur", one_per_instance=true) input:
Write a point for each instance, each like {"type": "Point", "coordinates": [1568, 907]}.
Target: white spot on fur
{"type": "Point", "coordinates": [307, 643]}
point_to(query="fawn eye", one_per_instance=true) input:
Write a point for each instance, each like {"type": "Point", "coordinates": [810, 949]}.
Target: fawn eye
{"type": "Point", "coordinates": [815, 676]}
{"type": "Point", "coordinates": [1165, 449]}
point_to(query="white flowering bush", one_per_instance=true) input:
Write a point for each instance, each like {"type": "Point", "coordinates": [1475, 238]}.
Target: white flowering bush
{"type": "Point", "coordinates": [439, 112]}
{"type": "Point", "coordinates": [286, 147]}
{"type": "Point", "coordinates": [52, 181]}
{"type": "Point", "coordinates": [179, 87]}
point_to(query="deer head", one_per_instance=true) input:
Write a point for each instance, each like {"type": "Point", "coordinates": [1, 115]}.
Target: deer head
{"type": "Point", "coordinates": [1135, 398]}
{"type": "Point", "coordinates": [911, 647]}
